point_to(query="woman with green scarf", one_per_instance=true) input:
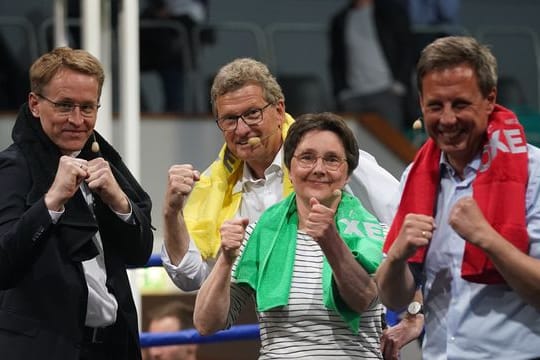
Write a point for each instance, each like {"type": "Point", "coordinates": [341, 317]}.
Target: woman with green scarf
{"type": "Point", "coordinates": [309, 259]}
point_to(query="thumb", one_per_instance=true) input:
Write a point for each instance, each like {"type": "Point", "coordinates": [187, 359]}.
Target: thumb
{"type": "Point", "coordinates": [313, 201]}
{"type": "Point", "coordinates": [333, 200]}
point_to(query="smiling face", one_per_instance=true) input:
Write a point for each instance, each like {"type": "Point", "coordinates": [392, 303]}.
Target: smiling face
{"type": "Point", "coordinates": [68, 131]}
{"type": "Point", "coordinates": [455, 112]}
{"type": "Point", "coordinates": [250, 97]}
{"type": "Point", "coordinates": [318, 181]}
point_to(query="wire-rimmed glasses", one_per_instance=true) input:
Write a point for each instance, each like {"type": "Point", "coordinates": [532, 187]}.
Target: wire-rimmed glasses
{"type": "Point", "coordinates": [67, 107]}
{"type": "Point", "coordinates": [308, 161]}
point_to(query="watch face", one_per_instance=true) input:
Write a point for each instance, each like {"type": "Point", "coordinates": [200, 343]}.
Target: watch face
{"type": "Point", "coordinates": [414, 308]}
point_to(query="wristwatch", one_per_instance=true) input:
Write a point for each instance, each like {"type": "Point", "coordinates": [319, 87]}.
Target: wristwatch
{"type": "Point", "coordinates": [415, 308]}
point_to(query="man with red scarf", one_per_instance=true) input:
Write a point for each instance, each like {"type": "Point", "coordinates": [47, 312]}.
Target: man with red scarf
{"type": "Point", "coordinates": [467, 230]}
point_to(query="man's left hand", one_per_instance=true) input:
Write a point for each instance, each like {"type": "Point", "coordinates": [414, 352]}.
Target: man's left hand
{"type": "Point", "coordinates": [101, 181]}
{"type": "Point", "coordinates": [467, 220]}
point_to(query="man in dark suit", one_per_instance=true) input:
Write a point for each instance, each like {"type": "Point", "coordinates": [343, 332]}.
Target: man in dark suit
{"type": "Point", "coordinates": [72, 218]}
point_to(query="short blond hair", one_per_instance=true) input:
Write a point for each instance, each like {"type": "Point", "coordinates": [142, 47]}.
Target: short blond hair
{"type": "Point", "coordinates": [49, 64]}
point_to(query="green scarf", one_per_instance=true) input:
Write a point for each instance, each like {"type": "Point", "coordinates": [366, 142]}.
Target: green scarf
{"type": "Point", "coordinates": [267, 262]}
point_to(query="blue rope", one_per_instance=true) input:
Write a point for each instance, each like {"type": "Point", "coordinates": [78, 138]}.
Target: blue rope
{"type": "Point", "coordinates": [191, 336]}
{"type": "Point", "coordinates": [154, 261]}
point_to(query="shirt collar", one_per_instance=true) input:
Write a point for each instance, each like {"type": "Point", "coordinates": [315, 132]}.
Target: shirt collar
{"type": "Point", "coordinates": [447, 169]}
{"type": "Point", "coordinates": [247, 176]}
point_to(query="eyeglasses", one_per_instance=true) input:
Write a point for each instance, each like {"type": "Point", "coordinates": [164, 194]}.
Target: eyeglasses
{"type": "Point", "coordinates": [66, 107]}
{"type": "Point", "coordinates": [250, 117]}
{"type": "Point", "coordinates": [309, 160]}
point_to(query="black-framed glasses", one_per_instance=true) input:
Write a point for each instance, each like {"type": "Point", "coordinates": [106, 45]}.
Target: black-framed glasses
{"type": "Point", "coordinates": [67, 107]}
{"type": "Point", "coordinates": [308, 160]}
{"type": "Point", "coordinates": [250, 117]}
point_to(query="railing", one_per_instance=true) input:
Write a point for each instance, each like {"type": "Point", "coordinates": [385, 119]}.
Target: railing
{"type": "Point", "coordinates": [191, 336]}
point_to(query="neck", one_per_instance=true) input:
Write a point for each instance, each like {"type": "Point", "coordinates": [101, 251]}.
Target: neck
{"type": "Point", "coordinates": [459, 163]}
{"type": "Point", "coordinates": [458, 167]}
{"type": "Point", "coordinates": [258, 166]}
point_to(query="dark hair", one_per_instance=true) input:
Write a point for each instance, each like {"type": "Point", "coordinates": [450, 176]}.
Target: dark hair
{"type": "Point", "coordinates": [176, 309]}
{"type": "Point", "coordinates": [450, 51]}
{"type": "Point", "coordinates": [322, 121]}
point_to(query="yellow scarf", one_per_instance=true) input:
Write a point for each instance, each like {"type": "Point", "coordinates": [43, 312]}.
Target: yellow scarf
{"type": "Point", "coordinates": [212, 200]}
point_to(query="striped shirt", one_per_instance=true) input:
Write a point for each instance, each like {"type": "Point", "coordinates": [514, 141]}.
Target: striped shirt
{"type": "Point", "coordinates": [305, 328]}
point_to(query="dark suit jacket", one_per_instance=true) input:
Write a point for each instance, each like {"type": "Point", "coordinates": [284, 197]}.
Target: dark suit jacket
{"type": "Point", "coordinates": [43, 292]}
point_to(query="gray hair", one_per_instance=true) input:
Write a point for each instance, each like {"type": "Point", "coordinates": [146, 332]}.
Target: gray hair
{"type": "Point", "coordinates": [241, 72]}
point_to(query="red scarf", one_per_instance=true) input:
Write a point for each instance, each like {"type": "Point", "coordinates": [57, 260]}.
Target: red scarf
{"type": "Point", "coordinates": [499, 189]}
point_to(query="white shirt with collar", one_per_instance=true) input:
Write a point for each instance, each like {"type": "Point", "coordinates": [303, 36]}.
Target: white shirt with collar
{"type": "Point", "coordinates": [259, 194]}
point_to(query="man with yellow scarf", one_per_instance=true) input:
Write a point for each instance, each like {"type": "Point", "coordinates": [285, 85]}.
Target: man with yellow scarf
{"type": "Point", "coordinates": [248, 176]}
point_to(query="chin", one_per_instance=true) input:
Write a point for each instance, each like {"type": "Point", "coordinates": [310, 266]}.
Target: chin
{"type": "Point", "coordinates": [452, 148]}
{"type": "Point", "coordinates": [68, 148]}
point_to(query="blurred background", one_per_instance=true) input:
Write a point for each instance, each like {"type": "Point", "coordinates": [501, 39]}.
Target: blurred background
{"type": "Point", "coordinates": [181, 51]}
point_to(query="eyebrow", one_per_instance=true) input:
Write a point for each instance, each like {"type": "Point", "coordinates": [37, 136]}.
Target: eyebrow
{"type": "Point", "coordinates": [251, 107]}
{"type": "Point", "coordinates": [64, 100]}
{"type": "Point", "coordinates": [313, 151]}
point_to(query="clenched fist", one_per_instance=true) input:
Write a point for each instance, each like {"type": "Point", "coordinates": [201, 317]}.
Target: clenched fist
{"type": "Point", "coordinates": [102, 182]}
{"type": "Point", "coordinates": [232, 235]}
{"type": "Point", "coordinates": [416, 231]}
{"type": "Point", "coordinates": [69, 175]}
{"type": "Point", "coordinates": [181, 180]}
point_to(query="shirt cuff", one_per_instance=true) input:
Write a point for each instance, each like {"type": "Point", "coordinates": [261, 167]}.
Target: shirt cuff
{"type": "Point", "coordinates": [128, 217]}
{"type": "Point", "coordinates": [55, 215]}
{"type": "Point", "coordinates": [189, 266]}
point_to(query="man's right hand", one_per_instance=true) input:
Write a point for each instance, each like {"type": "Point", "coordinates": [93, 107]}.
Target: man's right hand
{"type": "Point", "coordinates": [69, 175]}
{"type": "Point", "coordinates": [416, 231]}
{"type": "Point", "coordinates": [181, 181]}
